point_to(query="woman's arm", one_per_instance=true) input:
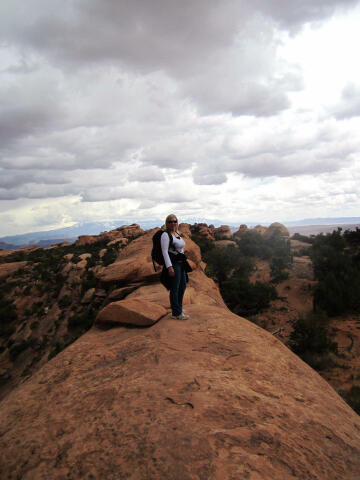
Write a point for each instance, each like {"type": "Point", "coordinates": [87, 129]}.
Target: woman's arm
{"type": "Point", "coordinates": [165, 242]}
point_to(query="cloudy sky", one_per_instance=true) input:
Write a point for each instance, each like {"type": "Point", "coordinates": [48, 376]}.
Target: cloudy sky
{"type": "Point", "coordinates": [230, 110]}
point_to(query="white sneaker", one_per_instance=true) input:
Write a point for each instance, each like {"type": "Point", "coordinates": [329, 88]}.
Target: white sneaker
{"type": "Point", "coordinates": [182, 316]}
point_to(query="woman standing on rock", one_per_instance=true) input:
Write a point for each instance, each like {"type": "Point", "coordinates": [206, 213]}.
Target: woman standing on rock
{"type": "Point", "coordinates": [176, 266]}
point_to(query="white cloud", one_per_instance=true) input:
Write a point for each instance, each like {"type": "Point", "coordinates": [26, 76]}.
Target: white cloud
{"type": "Point", "coordinates": [349, 106]}
{"type": "Point", "coordinates": [142, 107]}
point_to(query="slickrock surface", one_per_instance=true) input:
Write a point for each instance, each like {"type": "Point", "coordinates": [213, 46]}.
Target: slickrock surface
{"type": "Point", "coordinates": [211, 398]}
{"type": "Point", "coordinates": [214, 397]}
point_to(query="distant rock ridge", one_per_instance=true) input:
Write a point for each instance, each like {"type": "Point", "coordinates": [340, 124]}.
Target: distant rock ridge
{"type": "Point", "coordinates": [214, 397]}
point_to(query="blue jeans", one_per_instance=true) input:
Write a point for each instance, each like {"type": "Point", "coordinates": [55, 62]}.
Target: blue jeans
{"type": "Point", "coordinates": [177, 290]}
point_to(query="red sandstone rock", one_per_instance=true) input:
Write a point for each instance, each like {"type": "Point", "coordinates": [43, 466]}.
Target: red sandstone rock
{"type": "Point", "coordinates": [260, 229]}
{"type": "Point", "coordinates": [279, 228]}
{"type": "Point", "coordinates": [86, 240]}
{"type": "Point", "coordinates": [134, 311]}
{"type": "Point", "coordinates": [223, 232]}
{"type": "Point", "coordinates": [242, 229]}
{"type": "Point", "coordinates": [121, 241]}
{"type": "Point", "coordinates": [184, 229]}
{"type": "Point", "coordinates": [204, 231]}
{"type": "Point", "coordinates": [213, 397]}
{"type": "Point", "coordinates": [7, 269]}
{"type": "Point", "coordinates": [130, 230]}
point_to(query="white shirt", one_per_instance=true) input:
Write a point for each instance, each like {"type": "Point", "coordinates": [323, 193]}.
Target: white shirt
{"type": "Point", "coordinates": [177, 247]}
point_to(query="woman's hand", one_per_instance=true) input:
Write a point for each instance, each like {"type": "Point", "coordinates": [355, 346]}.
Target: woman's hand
{"type": "Point", "coordinates": [171, 271]}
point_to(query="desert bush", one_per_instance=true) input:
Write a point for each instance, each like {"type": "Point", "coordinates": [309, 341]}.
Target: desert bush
{"type": "Point", "coordinates": [352, 397]}
{"type": "Point", "coordinates": [81, 321]}
{"type": "Point", "coordinates": [64, 301]}
{"type": "Point", "coordinates": [277, 269]}
{"type": "Point", "coordinates": [109, 256]}
{"type": "Point", "coordinates": [88, 281]}
{"type": "Point", "coordinates": [302, 238]}
{"type": "Point", "coordinates": [205, 244]}
{"type": "Point", "coordinates": [221, 262]}
{"type": "Point", "coordinates": [337, 269]}
{"type": "Point", "coordinates": [311, 335]}
{"type": "Point", "coordinates": [245, 298]}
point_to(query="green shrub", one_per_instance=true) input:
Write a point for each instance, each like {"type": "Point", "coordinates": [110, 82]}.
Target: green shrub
{"type": "Point", "coordinates": [109, 256]}
{"type": "Point", "coordinates": [64, 301]}
{"type": "Point", "coordinates": [352, 397]}
{"type": "Point", "coordinates": [337, 269]}
{"type": "Point", "coordinates": [311, 335]}
{"type": "Point", "coordinates": [277, 269]}
{"type": "Point", "coordinates": [80, 321]}
{"type": "Point", "coordinates": [245, 298]}
{"type": "Point", "coordinates": [221, 262]}
{"type": "Point", "coordinates": [205, 244]}
{"type": "Point", "coordinates": [89, 281]}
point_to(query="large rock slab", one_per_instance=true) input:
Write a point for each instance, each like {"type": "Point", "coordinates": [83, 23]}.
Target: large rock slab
{"type": "Point", "coordinates": [214, 397]}
{"type": "Point", "coordinates": [135, 311]}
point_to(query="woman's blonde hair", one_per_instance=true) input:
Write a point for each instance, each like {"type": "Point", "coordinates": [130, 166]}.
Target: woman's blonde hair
{"type": "Point", "coordinates": [170, 217]}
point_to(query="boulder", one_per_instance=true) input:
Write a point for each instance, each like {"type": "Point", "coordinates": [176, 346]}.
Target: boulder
{"type": "Point", "coordinates": [223, 232]}
{"type": "Point", "coordinates": [86, 240]}
{"type": "Point", "coordinates": [88, 295]}
{"type": "Point", "coordinates": [203, 231]}
{"type": "Point", "coordinates": [120, 293]}
{"type": "Point", "coordinates": [133, 311]}
{"type": "Point", "coordinates": [277, 228]}
{"type": "Point", "coordinates": [184, 229]}
{"type": "Point", "coordinates": [132, 230]}
{"type": "Point", "coordinates": [260, 229]}
{"type": "Point", "coordinates": [242, 229]}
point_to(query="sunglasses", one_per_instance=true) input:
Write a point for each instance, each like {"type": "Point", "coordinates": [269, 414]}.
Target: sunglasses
{"type": "Point", "coordinates": [172, 221]}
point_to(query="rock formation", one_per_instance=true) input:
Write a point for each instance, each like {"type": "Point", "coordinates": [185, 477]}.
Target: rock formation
{"type": "Point", "coordinates": [242, 229]}
{"type": "Point", "coordinates": [223, 232]}
{"type": "Point", "coordinates": [277, 228]}
{"type": "Point", "coordinates": [201, 230]}
{"type": "Point", "coordinates": [214, 398]}
{"type": "Point", "coordinates": [260, 229]}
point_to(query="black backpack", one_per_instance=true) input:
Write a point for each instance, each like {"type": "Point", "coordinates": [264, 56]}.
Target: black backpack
{"type": "Point", "coordinates": [156, 253]}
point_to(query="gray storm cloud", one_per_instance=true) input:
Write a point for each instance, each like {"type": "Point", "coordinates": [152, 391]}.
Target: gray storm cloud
{"type": "Point", "coordinates": [117, 100]}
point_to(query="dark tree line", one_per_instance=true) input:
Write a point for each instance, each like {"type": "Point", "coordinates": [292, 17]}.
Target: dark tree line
{"type": "Point", "coordinates": [336, 261]}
